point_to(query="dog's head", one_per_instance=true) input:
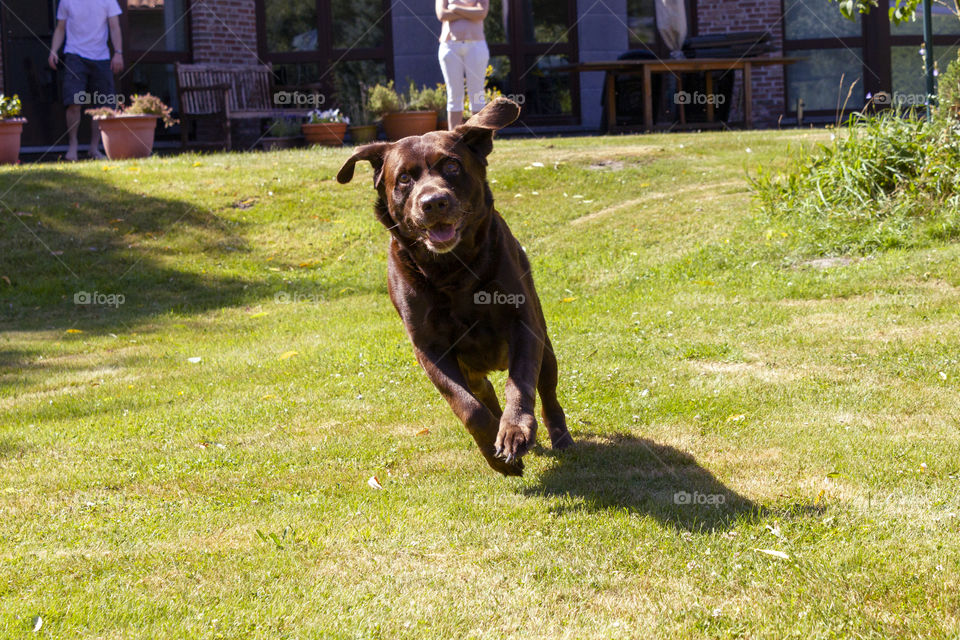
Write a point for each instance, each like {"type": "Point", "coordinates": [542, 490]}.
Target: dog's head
{"type": "Point", "coordinates": [433, 188]}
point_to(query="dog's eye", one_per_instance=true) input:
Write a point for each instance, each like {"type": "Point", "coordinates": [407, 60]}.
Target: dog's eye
{"type": "Point", "coordinates": [451, 166]}
{"type": "Point", "coordinates": [404, 178]}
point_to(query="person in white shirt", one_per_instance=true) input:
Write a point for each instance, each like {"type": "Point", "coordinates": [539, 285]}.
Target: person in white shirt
{"type": "Point", "coordinates": [89, 66]}
{"type": "Point", "coordinates": [463, 53]}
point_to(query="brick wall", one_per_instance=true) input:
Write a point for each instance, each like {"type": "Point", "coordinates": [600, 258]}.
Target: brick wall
{"type": "Point", "coordinates": [723, 16]}
{"type": "Point", "coordinates": [224, 31]}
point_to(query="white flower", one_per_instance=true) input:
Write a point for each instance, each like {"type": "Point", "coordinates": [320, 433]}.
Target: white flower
{"type": "Point", "coordinates": [330, 115]}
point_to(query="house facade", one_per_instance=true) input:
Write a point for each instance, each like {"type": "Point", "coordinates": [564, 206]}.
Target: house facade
{"type": "Point", "coordinates": [342, 44]}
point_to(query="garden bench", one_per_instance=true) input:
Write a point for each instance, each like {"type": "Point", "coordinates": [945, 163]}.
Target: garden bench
{"type": "Point", "coordinates": [221, 93]}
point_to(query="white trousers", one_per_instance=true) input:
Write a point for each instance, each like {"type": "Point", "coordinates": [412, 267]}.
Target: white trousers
{"type": "Point", "coordinates": [464, 59]}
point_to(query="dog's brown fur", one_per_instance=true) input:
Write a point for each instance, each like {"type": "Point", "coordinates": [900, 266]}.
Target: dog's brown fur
{"type": "Point", "coordinates": [462, 284]}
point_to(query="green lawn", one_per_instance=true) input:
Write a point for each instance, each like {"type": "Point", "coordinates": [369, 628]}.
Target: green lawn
{"type": "Point", "coordinates": [805, 406]}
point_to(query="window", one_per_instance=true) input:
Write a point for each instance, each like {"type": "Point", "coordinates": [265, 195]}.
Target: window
{"type": "Point", "coordinates": [527, 40]}
{"type": "Point", "coordinates": [156, 34]}
{"type": "Point", "coordinates": [156, 25]}
{"type": "Point", "coordinates": [833, 58]}
{"type": "Point", "coordinates": [908, 83]}
{"type": "Point", "coordinates": [879, 55]}
{"type": "Point", "coordinates": [642, 24]}
{"type": "Point", "coordinates": [341, 44]}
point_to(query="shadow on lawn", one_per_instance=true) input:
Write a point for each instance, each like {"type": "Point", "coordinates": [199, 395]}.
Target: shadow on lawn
{"type": "Point", "coordinates": [66, 236]}
{"type": "Point", "coordinates": [623, 471]}
{"type": "Point", "coordinates": [63, 234]}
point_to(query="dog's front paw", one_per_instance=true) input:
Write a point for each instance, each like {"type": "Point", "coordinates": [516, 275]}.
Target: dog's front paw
{"type": "Point", "coordinates": [516, 436]}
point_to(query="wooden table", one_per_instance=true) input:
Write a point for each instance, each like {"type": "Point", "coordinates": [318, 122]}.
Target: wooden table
{"type": "Point", "coordinates": [676, 67]}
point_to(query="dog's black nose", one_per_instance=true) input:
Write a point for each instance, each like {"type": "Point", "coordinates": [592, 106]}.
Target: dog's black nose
{"type": "Point", "coordinates": [434, 203]}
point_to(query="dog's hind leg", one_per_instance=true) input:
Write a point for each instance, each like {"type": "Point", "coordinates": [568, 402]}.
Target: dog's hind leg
{"type": "Point", "coordinates": [550, 409]}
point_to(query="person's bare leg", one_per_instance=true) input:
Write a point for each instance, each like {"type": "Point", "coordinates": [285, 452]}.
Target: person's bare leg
{"type": "Point", "coordinates": [454, 119]}
{"type": "Point", "coordinates": [95, 141]}
{"type": "Point", "coordinates": [73, 125]}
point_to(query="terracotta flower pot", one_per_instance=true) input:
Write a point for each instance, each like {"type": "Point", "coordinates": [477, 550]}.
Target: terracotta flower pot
{"type": "Point", "coordinates": [10, 130]}
{"type": "Point", "coordinates": [363, 133]}
{"type": "Point", "coordinates": [285, 142]}
{"type": "Point", "coordinates": [328, 133]}
{"type": "Point", "coordinates": [401, 124]}
{"type": "Point", "coordinates": [127, 136]}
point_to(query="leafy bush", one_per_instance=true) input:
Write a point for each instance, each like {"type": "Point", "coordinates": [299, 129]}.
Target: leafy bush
{"type": "Point", "coordinates": [948, 90]}
{"type": "Point", "coordinates": [140, 105]}
{"type": "Point", "coordinates": [383, 99]}
{"type": "Point", "coordinates": [283, 128]}
{"type": "Point", "coordinates": [427, 99]}
{"type": "Point", "coordinates": [357, 109]}
{"type": "Point", "coordinates": [9, 107]}
{"type": "Point", "coordinates": [150, 105]}
{"type": "Point", "coordinates": [886, 181]}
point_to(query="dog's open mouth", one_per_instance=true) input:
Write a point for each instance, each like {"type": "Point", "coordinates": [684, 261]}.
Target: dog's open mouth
{"type": "Point", "coordinates": [442, 237]}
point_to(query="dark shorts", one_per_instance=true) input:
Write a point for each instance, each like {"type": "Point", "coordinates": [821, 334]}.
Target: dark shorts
{"type": "Point", "coordinates": [88, 82]}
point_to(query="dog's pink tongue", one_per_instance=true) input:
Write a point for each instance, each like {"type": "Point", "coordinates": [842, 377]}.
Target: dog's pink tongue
{"type": "Point", "coordinates": [442, 233]}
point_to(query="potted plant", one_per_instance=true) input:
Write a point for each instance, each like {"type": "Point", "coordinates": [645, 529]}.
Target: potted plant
{"type": "Point", "coordinates": [435, 100]}
{"type": "Point", "coordinates": [282, 133]}
{"type": "Point", "coordinates": [325, 127]}
{"type": "Point", "coordinates": [363, 130]}
{"type": "Point", "coordinates": [11, 126]}
{"type": "Point", "coordinates": [402, 116]}
{"type": "Point", "coordinates": [128, 133]}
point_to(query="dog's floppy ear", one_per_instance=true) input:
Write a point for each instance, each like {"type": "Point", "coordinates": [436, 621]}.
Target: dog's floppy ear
{"type": "Point", "coordinates": [372, 153]}
{"type": "Point", "coordinates": [477, 132]}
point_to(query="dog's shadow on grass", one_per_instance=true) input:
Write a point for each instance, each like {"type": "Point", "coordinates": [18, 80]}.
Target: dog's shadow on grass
{"type": "Point", "coordinates": [622, 471]}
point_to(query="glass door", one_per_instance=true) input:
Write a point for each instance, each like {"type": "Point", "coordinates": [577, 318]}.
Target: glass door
{"type": "Point", "coordinates": [27, 32]}
{"type": "Point", "coordinates": [527, 40]}
{"type": "Point", "coordinates": [156, 34]}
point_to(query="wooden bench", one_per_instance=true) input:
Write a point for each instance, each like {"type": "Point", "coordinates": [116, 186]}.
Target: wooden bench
{"type": "Point", "coordinates": [220, 93]}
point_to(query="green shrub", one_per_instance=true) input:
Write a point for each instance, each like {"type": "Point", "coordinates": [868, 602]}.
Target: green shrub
{"type": "Point", "coordinates": [427, 99]}
{"type": "Point", "coordinates": [149, 104]}
{"type": "Point", "coordinates": [383, 99]}
{"type": "Point", "coordinates": [948, 90]}
{"type": "Point", "coordinates": [283, 128]}
{"type": "Point", "coordinates": [140, 105]}
{"type": "Point", "coordinates": [886, 181]}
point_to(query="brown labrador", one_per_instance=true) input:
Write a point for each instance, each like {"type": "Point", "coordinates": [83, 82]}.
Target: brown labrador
{"type": "Point", "coordinates": [462, 284]}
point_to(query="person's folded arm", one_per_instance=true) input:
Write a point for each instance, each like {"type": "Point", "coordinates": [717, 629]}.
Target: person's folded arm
{"type": "Point", "coordinates": [444, 13]}
{"type": "Point", "coordinates": [476, 12]}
